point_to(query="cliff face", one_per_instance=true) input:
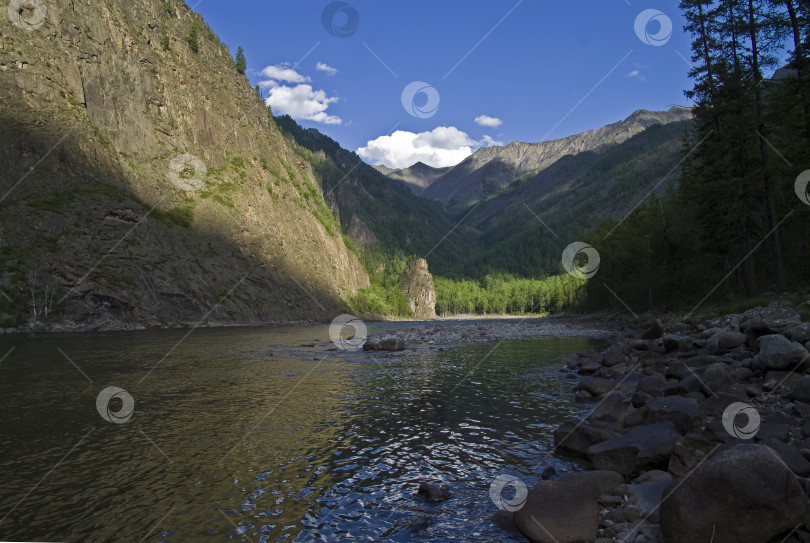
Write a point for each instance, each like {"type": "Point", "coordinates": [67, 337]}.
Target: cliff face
{"type": "Point", "coordinates": [144, 184]}
{"type": "Point", "coordinates": [417, 284]}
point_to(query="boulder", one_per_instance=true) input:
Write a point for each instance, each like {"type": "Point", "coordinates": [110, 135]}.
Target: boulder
{"type": "Point", "coordinates": [776, 352]}
{"type": "Point", "coordinates": [715, 378]}
{"type": "Point", "coordinates": [644, 447]}
{"type": "Point", "coordinates": [391, 343]}
{"type": "Point", "coordinates": [558, 512]}
{"type": "Point", "coordinates": [674, 342]}
{"type": "Point", "coordinates": [613, 356]}
{"type": "Point", "coordinates": [576, 438]}
{"type": "Point", "coordinates": [655, 331]}
{"type": "Point", "coordinates": [680, 411]}
{"type": "Point", "coordinates": [725, 340]}
{"type": "Point", "coordinates": [648, 497]}
{"type": "Point", "coordinates": [652, 385]}
{"type": "Point", "coordinates": [371, 345]}
{"type": "Point", "coordinates": [771, 319]}
{"type": "Point", "coordinates": [801, 390]}
{"type": "Point", "coordinates": [595, 386]}
{"type": "Point", "coordinates": [744, 494]}
{"type": "Point", "coordinates": [793, 460]}
{"type": "Point", "coordinates": [597, 482]}
{"type": "Point", "coordinates": [610, 409]}
{"type": "Point", "coordinates": [799, 333]}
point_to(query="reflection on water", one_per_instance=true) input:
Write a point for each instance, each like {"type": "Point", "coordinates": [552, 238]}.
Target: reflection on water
{"type": "Point", "coordinates": [268, 434]}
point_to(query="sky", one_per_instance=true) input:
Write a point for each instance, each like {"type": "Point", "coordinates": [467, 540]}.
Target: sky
{"type": "Point", "coordinates": [403, 81]}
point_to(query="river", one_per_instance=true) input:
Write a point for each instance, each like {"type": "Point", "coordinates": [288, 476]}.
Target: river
{"type": "Point", "coordinates": [269, 434]}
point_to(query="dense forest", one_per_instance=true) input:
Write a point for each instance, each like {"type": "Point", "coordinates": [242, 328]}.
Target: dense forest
{"type": "Point", "coordinates": [738, 221]}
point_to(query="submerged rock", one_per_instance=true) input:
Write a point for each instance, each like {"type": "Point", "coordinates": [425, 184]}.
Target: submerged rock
{"type": "Point", "coordinates": [434, 493]}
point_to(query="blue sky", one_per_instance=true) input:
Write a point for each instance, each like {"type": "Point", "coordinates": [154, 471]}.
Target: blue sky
{"type": "Point", "coordinates": [544, 69]}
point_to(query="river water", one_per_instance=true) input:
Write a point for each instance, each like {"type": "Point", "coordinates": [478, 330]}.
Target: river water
{"type": "Point", "coordinates": [269, 434]}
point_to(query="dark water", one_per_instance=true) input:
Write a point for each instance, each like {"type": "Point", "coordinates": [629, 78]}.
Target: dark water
{"type": "Point", "coordinates": [242, 435]}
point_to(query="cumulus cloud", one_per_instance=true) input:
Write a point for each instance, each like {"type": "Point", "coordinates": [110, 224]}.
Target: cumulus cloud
{"type": "Point", "coordinates": [325, 68]}
{"type": "Point", "coordinates": [299, 101]}
{"type": "Point", "coordinates": [282, 72]}
{"type": "Point", "coordinates": [443, 146]}
{"type": "Point", "coordinates": [486, 120]}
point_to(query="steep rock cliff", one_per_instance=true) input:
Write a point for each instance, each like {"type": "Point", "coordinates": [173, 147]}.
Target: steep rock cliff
{"type": "Point", "coordinates": [417, 284]}
{"type": "Point", "coordinates": [144, 184]}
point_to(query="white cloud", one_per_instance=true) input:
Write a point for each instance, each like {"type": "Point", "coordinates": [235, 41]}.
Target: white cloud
{"type": "Point", "coordinates": [328, 70]}
{"type": "Point", "coordinates": [486, 120]}
{"type": "Point", "coordinates": [635, 74]}
{"type": "Point", "coordinates": [443, 146]}
{"type": "Point", "coordinates": [487, 141]}
{"type": "Point", "coordinates": [299, 101]}
{"type": "Point", "coordinates": [282, 72]}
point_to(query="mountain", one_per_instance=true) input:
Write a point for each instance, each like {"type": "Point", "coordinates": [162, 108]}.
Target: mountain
{"type": "Point", "coordinates": [487, 171]}
{"type": "Point", "coordinates": [523, 229]}
{"type": "Point", "coordinates": [378, 214]}
{"type": "Point", "coordinates": [418, 177]}
{"type": "Point", "coordinates": [144, 183]}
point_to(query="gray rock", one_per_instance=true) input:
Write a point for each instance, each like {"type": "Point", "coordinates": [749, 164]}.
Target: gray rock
{"type": "Point", "coordinates": [590, 367]}
{"type": "Point", "coordinates": [715, 378]}
{"type": "Point", "coordinates": [799, 333]}
{"type": "Point", "coordinates": [770, 320]}
{"type": "Point", "coordinates": [682, 460]}
{"type": "Point", "coordinates": [652, 385]}
{"type": "Point", "coordinates": [371, 345]}
{"type": "Point", "coordinates": [596, 482]}
{"type": "Point", "coordinates": [801, 390]}
{"type": "Point", "coordinates": [680, 411]}
{"type": "Point", "coordinates": [610, 409]}
{"type": "Point", "coordinates": [557, 512]}
{"type": "Point", "coordinates": [648, 497]}
{"type": "Point", "coordinates": [595, 386]}
{"type": "Point", "coordinates": [392, 344]}
{"type": "Point", "coordinates": [674, 342]}
{"type": "Point", "coordinates": [655, 331]}
{"type": "Point", "coordinates": [792, 459]}
{"type": "Point", "coordinates": [613, 356]}
{"type": "Point", "coordinates": [725, 340]}
{"type": "Point", "coordinates": [742, 495]}
{"type": "Point", "coordinates": [575, 439]}
{"type": "Point", "coordinates": [769, 430]}
{"type": "Point", "coordinates": [641, 448]}
{"type": "Point", "coordinates": [776, 352]}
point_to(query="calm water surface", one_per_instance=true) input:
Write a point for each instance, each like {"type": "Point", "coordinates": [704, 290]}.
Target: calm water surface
{"type": "Point", "coordinates": [269, 434]}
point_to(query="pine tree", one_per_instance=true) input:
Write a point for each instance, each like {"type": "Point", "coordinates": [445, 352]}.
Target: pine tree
{"type": "Point", "coordinates": [193, 37]}
{"type": "Point", "coordinates": [241, 63]}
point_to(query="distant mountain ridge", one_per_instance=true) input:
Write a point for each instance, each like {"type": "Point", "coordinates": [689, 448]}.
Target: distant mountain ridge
{"type": "Point", "coordinates": [490, 169]}
{"type": "Point", "coordinates": [418, 177]}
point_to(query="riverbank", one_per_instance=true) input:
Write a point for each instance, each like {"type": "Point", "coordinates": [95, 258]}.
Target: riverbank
{"type": "Point", "coordinates": [447, 333]}
{"type": "Point", "coordinates": [696, 433]}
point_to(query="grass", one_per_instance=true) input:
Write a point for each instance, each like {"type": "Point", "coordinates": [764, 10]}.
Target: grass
{"type": "Point", "coordinates": [176, 216]}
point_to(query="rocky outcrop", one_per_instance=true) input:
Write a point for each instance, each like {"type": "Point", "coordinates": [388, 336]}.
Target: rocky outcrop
{"type": "Point", "coordinates": [157, 191]}
{"type": "Point", "coordinates": [417, 284]}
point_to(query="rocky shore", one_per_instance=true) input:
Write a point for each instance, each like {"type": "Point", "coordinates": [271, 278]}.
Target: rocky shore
{"type": "Point", "coordinates": [697, 433]}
